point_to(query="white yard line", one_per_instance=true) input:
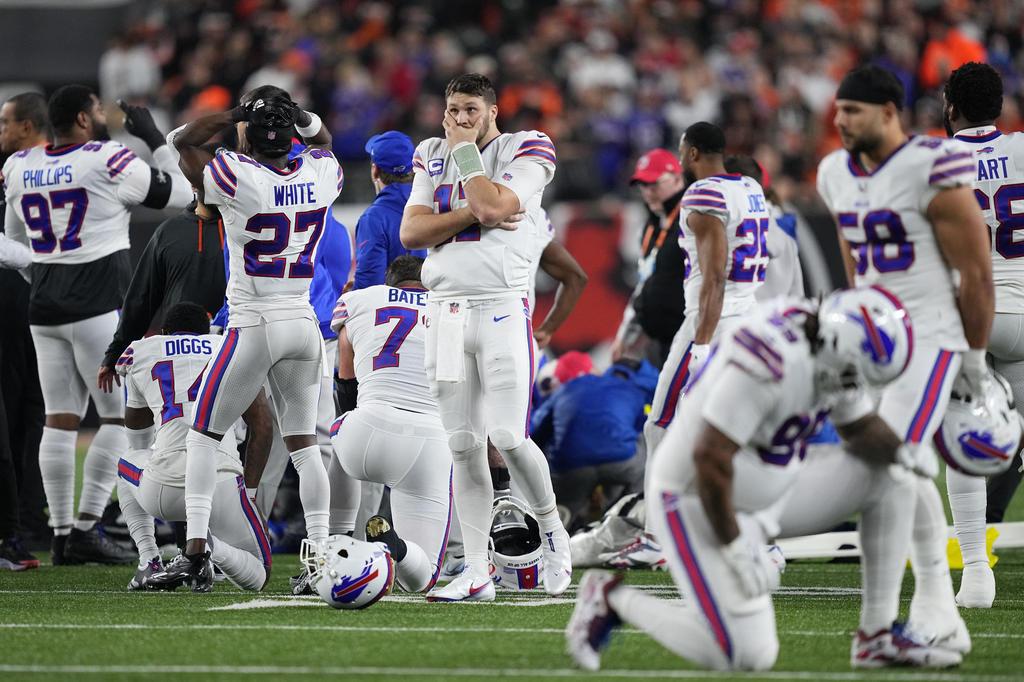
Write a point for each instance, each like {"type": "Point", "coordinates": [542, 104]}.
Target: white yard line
{"type": "Point", "coordinates": [389, 628]}
{"type": "Point", "coordinates": [874, 676]}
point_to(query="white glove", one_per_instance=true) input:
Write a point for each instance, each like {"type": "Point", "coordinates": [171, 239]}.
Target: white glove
{"type": "Point", "coordinates": [698, 356]}
{"type": "Point", "coordinates": [975, 371]}
{"type": "Point", "coordinates": [918, 459]}
{"type": "Point", "coordinates": [757, 574]}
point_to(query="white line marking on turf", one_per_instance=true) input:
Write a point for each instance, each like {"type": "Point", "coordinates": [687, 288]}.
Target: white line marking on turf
{"type": "Point", "coordinates": [485, 672]}
{"type": "Point", "coordinates": [391, 628]}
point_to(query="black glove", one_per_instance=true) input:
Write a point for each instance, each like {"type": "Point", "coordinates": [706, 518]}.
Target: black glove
{"type": "Point", "coordinates": [346, 392]}
{"type": "Point", "coordinates": [139, 122]}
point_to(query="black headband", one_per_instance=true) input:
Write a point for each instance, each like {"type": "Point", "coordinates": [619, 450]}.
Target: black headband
{"type": "Point", "coordinates": [867, 86]}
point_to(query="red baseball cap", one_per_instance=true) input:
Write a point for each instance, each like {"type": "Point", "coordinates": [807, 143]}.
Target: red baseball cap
{"type": "Point", "coordinates": [654, 164]}
{"type": "Point", "coordinates": [571, 365]}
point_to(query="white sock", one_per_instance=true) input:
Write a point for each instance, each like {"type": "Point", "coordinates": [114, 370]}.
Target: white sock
{"type": "Point", "coordinates": [57, 469]}
{"type": "Point", "coordinates": [314, 491]}
{"type": "Point", "coordinates": [345, 494]}
{"type": "Point", "coordinates": [933, 588]}
{"type": "Point", "coordinates": [675, 625]}
{"type": "Point", "coordinates": [967, 502]}
{"type": "Point", "coordinates": [140, 524]}
{"type": "Point", "coordinates": [100, 469]}
{"type": "Point", "coordinates": [242, 568]}
{"type": "Point", "coordinates": [529, 469]}
{"type": "Point", "coordinates": [885, 530]}
{"type": "Point", "coordinates": [473, 494]}
{"type": "Point", "coordinates": [415, 570]}
{"type": "Point", "coordinates": [200, 481]}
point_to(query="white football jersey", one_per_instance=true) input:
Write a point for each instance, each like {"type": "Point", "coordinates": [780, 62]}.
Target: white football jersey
{"type": "Point", "coordinates": [757, 387]}
{"type": "Point", "coordinates": [273, 220]}
{"type": "Point", "coordinates": [385, 327]}
{"type": "Point", "coordinates": [999, 186]}
{"type": "Point", "coordinates": [738, 202]}
{"type": "Point", "coordinates": [882, 215]}
{"type": "Point", "coordinates": [547, 233]}
{"type": "Point", "coordinates": [163, 373]}
{"type": "Point", "coordinates": [481, 262]}
{"type": "Point", "coordinates": [74, 199]}
{"type": "Point", "coordinates": [785, 275]}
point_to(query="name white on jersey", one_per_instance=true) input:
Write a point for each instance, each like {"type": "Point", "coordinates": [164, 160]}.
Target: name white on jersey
{"type": "Point", "coordinates": [738, 202]}
{"type": "Point", "coordinates": [163, 373]}
{"type": "Point", "coordinates": [999, 187]}
{"type": "Point", "coordinates": [483, 262]}
{"type": "Point", "coordinates": [882, 216]}
{"type": "Point", "coordinates": [74, 200]}
{"type": "Point", "coordinates": [385, 327]}
{"type": "Point", "coordinates": [273, 220]}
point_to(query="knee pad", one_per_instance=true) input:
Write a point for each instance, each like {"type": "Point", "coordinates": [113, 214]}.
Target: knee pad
{"type": "Point", "coordinates": [463, 442]}
{"type": "Point", "coordinates": [756, 654]}
{"type": "Point", "coordinates": [506, 440]}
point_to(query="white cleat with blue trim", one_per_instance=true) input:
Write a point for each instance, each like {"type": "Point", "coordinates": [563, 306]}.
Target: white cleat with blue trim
{"type": "Point", "coordinates": [593, 620]}
{"type": "Point", "coordinates": [467, 587]}
{"type": "Point", "coordinates": [557, 559]}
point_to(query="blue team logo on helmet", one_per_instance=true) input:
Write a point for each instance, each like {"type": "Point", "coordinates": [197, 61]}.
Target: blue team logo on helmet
{"type": "Point", "coordinates": [981, 446]}
{"type": "Point", "coordinates": [877, 343]}
{"type": "Point", "coordinates": [349, 588]}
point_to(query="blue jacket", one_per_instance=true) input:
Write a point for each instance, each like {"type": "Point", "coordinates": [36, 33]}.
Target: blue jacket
{"type": "Point", "coordinates": [377, 242]}
{"type": "Point", "coordinates": [595, 419]}
{"type": "Point", "coordinates": [330, 271]}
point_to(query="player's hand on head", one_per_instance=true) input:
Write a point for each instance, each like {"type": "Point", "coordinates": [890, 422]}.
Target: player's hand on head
{"type": "Point", "coordinates": [139, 122]}
{"type": "Point", "coordinates": [106, 378]}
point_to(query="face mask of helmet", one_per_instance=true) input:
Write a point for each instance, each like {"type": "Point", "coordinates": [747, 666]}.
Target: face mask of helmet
{"type": "Point", "coordinates": [516, 555]}
{"type": "Point", "coordinates": [271, 126]}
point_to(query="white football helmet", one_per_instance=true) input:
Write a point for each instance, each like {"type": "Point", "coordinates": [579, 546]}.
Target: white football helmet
{"type": "Point", "coordinates": [348, 573]}
{"type": "Point", "coordinates": [864, 337]}
{"type": "Point", "coordinates": [516, 557]}
{"type": "Point", "coordinates": [979, 435]}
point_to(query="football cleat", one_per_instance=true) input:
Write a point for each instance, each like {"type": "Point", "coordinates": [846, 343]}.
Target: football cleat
{"type": "Point", "coordinates": [977, 587]}
{"type": "Point", "coordinates": [138, 582]}
{"type": "Point", "coordinates": [557, 560]}
{"type": "Point", "coordinates": [593, 619]}
{"type": "Point", "coordinates": [616, 529]}
{"type": "Point", "coordinates": [643, 552]}
{"type": "Point", "coordinates": [899, 646]}
{"type": "Point", "coordinates": [943, 628]}
{"type": "Point", "coordinates": [464, 588]}
{"type": "Point", "coordinates": [195, 571]}
{"type": "Point", "coordinates": [14, 557]}
{"type": "Point", "coordinates": [454, 565]}
{"type": "Point", "coordinates": [58, 555]}
{"type": "Point", "coordinates": [93, 546]}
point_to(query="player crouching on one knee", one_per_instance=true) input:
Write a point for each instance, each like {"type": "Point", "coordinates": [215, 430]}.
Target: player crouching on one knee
{"type": "Point", "coordinates": [735, 447]}
{"type": "Point", "coordinates": [161, 375]}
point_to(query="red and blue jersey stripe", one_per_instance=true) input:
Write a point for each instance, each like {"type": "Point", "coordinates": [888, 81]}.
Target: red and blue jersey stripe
{"type": "Point", "coordinates": [933, 393]}
{"type": "Point", "coordinates": [119, 161]}
{"type": "Point", "coordinates": [129, 472]}
{"type": "Point", "coordinates": [219, 365]}
{"type": "Point", "coordinates": [222, 175]}
{"type": "Point", "coordinates": [540, 148]}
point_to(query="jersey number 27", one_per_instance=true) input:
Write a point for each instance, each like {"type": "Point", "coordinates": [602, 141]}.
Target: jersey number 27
{"type": "Point", "coordinates": [262, 256]}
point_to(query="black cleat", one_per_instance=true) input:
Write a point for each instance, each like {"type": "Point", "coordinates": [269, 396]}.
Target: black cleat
{"type": "Point", "coordinates": [196, 571]}
{"type": "Point", "coordinates": [14, 557]}
{"type": "Point", "coordinates": [143, 574]}
{"type": "Point", "coordinates": [58, 552]}
{"type": "Point", "coordinates": [93, 546]}
{"type": "Point", "coordinates": [379, 530]}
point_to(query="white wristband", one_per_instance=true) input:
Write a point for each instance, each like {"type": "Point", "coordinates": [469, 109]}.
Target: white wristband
{"type": "Point", "coordinates": [315, 124]}
{"type": "Point", "coordinates": [468, 160]}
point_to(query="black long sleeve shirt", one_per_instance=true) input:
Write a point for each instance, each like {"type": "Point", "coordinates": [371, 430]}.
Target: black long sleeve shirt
{"type": "Point", "coordinates": [660, 303]}
{"type": "Point", "coordinates": [183, 261]}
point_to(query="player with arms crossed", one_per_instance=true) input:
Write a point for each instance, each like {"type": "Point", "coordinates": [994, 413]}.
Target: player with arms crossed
{"type": "Point", "coordinates": [723, 227]}
{"type": "Point", "coordinates": [161, 378]}
{"type": "Point", "coordinates": [476, 204]}
{"type": "Point", "coordinates": [69, 201]}
{"type": "Point", "coordinates": [735, 448]}
{"type": "Point", "coordinates": [974, 100]}
{"type": "Point", "coordinates": [273, 211]}
{"type": "Point", "coordinates": [907, 219]}
{"type": "Point", "coordinates": [394, 434]}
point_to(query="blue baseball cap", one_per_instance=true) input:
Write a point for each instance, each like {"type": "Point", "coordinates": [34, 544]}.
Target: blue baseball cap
{"type": "Point", "coordinates": [391, 152]}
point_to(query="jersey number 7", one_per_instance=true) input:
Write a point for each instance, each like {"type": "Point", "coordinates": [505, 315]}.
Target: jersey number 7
{"type": "Point", "coordinates": [262, 256]}
{"type": "Point", "coordinates": [36, 210]}
{"type": "Point", "coordinates": [407, 318]}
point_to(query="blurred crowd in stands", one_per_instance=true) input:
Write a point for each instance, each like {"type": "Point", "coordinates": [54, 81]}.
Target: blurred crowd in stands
{"type": "Point", "coordinates": [607, 79]}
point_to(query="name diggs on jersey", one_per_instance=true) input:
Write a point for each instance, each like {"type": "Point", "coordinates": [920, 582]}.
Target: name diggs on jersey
{"type": "Point", "coordinates": [187, 346]}
{"type": "Point", "coordinates": [44, 177]}
{"type": "Point", "coordinates": [289, 195]}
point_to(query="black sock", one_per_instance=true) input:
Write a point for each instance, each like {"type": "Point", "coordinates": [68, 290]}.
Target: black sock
{"type": "Point", "coordinates": [501, 480]}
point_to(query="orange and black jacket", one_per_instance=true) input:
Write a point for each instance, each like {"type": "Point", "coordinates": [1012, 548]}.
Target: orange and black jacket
{"type": "Point", "coordinates": [659, 305]}
{"type": "Point", "coordinates": [183, 261]}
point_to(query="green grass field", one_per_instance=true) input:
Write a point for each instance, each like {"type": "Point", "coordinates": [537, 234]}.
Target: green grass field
{"type": "Point", "coordinates": [80, 622]}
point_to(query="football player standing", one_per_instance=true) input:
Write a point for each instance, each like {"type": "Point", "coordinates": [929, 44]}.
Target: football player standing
{"type": "Point", "coordinates": [274, 212]}
{"type": "Point", "coordinates": [907, 218]}
{"type": "Point", "coordinates": [69, 201]}
{"type": "Point", "coordinates": [476, 205]}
